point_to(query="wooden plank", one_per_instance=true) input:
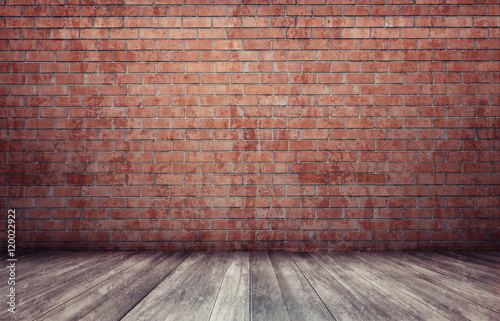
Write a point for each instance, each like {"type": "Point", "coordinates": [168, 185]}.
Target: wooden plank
{"type": "Point", "coordinates": [266, 299]}
{"type": "Point", "coordinates": [486, 266]}
{"type": "Point", "coordinates": [428, 295]}
{"type": "Point", "coordinates": [377, 302]}
{"type": "Point", "coordinates": [23, 253]}
{"type": "Point", "coordinates": [302, 301]}
{"type": "Point", "coordinates": [46, 259]}
{"type": "Point", "coordinates": [70, 286]}
{"type": "Point", "coordinates": [188, 295]}
{"type": "Point", "coordinates": [50, 270]}
{"type": "Point", "coordinates": [41, 254]}
{"type": "Point", "coordinates": [251, 286]}
{"type": "Point", "coordinates": [492, 255]}
{"type": "Point", "coordinates": [427, 308]}
{"type": "Point", "coordinates": [54, 260]}
{"type": "Point", "coordinates": [198, 304]}
{"type": "Point", "coordinates": [457, 303]}
{"type": "Point", "coordinates": [489, 269]}
{"type": "Point", "coordinates": [82, 303]}
{"type": "Point", "coordinates": [470, 276]}
{"type": "Point", "coordinates": [458, 266]}
{"type": "Point", "coordinates": [348, 302]}
{"type": "Point", "coordinates": [35, 287]}
{"type": "Point", "coordinates": [33, 266]}
{"type": "Point", "coordinates": [25, 257]}
{"type": "Point", "coordinates": [29, 275]}
{"type": "Point", "coordinates": [453, 285]}
{"type": "Point", "coordinates": [85, 302]}
{"type": "Point", "coordinates": [150, 307]}
{"type": "Point", "coordinates": [122, 301]}
{"type": "Point", "coordinates": [233, 301]}
{"type": "Point", "coordinates": [478, 259]}
{"type": "Point", "coordinates": [484, 257]}
{"type": "Point", "coordinates": [36, 262]}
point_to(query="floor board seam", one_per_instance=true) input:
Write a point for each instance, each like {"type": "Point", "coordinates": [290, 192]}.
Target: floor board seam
{"type": "Point", "coordinates": [308, 281]}
{"type": "Point", "coordinates": [261, 286]}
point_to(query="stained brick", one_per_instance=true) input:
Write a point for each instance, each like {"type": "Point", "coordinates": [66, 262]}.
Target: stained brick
{"type": "Point", "coordinates": [246, 125]}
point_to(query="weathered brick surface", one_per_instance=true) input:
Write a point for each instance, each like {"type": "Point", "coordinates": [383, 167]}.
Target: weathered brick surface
{"type": "Point", "coordinates": [254, 125]}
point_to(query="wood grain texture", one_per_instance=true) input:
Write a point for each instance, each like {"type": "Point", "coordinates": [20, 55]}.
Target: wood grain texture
{"type": "Point", "coordinates": [189, 294]}
{"type": "Point", "coordinates": [307, 306]}
{"type": "Point", "coordinates": [233, 299]}
{"type": "Point", "coordinates": [33, 264]}
{"type": "Point", "coordinates": [488, 255]}
{"type": "Point", "coordinates": [419, 283]}
{"type": "Point", "coordinates": [158, 303]}
{"type": "Point", "coordinates": [34, 277]}
{"type": "Point", "coordinates": [267, 300]}
{"type": "Point", "coordinates": [257, 286]}
{"type": "Point", "coordinates": [128, 297]}
{"type": "Point", "coordinates": [377, 302]}
{"type": "Point", "coordinates": [197, 302]}
{"type": "Point", "coordinates": [460, 272]}
{"type": "Point", "coordinates": [341, 304]}
{"type": "Point", "coordinates": [71, 286]}
{"type": "Point", "coordinates": [426, 307]}
{"type": "Point", "coordinates": [453, 285]}
{"type": "Point", "coordinates": [84, 303]}
{"type": "Point", "coordinates": [77, 269]}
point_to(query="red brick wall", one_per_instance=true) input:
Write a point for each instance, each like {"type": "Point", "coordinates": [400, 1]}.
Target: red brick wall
{"type": "Point", "coordinates": [222, 125]}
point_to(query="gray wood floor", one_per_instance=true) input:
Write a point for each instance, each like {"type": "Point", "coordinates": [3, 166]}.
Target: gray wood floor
{"type": "Point", "coordinates": [255, 286]}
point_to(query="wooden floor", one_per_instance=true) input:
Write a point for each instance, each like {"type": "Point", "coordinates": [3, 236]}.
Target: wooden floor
{"type": "Point", "coordinates": [255, 286]}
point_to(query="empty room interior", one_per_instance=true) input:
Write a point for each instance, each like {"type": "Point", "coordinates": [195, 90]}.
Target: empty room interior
{"type": "Point", "coordinates": [250, 160]}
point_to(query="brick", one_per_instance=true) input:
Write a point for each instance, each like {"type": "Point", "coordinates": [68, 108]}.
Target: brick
{"type": "Point", "coordinates": [290, 121]}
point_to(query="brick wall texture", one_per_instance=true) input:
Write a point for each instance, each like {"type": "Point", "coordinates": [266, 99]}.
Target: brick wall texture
{"type": "Point", "coordinates": [251, 125]}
